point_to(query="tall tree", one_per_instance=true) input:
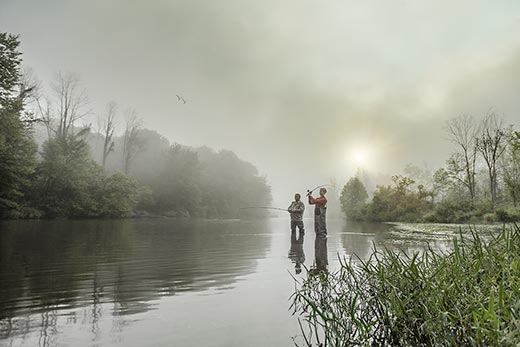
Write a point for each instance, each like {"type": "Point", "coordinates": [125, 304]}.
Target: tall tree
{"type": "Point", "coordinates": [17, 148]}
{"type": "Point", "coordinates": [511, 167]}
{"type": "Point", "coordinates": [132, 143]}
{"type": "Point", "coordinates": [491, 141]}
{"type": "Point", "coordinates": [107, 129]}
{"type": "Point", "coordinates": [462, 131]}
{"type": "Point", "coordinates": [68, 104]}
{"type": "Point", "coordinates": [353, 198]}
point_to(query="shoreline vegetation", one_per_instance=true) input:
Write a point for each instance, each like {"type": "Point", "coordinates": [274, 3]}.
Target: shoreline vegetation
{"type": "Point", "coordinates": [479, 183]}
{"type": "Point", "coordinates": [51, 166]}
{"type": "Point", "coordinates": [466, 296]}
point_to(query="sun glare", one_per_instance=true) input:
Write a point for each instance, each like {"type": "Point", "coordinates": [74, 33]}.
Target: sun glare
{"type": "Point", "coordinates": [360, 157]}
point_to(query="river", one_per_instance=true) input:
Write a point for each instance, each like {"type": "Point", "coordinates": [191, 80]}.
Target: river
{"type": "Point", "coordinates": [164, 282]}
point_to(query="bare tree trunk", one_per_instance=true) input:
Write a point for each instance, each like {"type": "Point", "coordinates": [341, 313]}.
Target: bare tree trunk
{"type": "Point", "coordinates": [67, 107]}
{"type": "Point", "coordinates": [491, 145]}
{"type": "Point", "coordinates": [131, 141]}
{"type": "Point", "coordinates": [462, 131]}
{"type": "Point", "coordinates": [107, 130]}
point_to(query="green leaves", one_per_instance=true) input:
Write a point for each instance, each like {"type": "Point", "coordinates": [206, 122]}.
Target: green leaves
{"type": "Point", "coordinates": [17, 148]}
{"type": "Point", "coordinates": [353, 199]}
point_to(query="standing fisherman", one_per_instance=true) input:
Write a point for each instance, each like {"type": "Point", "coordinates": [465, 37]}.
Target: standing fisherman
{"type": "Point", "coordinates": [320, 227]}
{"type": "Point", "coordinates": [296, 211]}
{"type": "Point", "coordinates": [320, 209]}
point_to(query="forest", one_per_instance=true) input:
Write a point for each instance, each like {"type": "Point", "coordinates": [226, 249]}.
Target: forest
{"type": "Point", "coordinates": [55, 165]}
{"type": "Point", "coordinates": [479, 183]}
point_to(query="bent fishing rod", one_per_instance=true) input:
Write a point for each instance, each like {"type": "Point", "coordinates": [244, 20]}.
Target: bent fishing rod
{"type": "Point", "coordinates": [309, 192]}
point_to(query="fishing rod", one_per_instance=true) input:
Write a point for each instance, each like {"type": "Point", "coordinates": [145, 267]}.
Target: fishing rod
{"type": "Point", "coordinates": [309, 192]}
{"type": "Point", "coordinates": [264, 207]}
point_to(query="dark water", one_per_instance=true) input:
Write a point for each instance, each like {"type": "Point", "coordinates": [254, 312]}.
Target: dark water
{"type": "Point", "coordinates": [160, 282]}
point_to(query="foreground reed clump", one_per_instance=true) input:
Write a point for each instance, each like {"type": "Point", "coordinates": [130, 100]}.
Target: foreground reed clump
{"type": "Point", "coordinates": [469, 296]}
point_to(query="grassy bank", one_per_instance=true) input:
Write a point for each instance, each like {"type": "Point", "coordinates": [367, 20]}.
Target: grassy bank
{"type": "Point", "coordinates": [469, 296]}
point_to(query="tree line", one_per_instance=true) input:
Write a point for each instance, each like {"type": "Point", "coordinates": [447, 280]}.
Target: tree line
{"type": "Point", "coordinates": [52, 166]}
{"type": "Point", "coordinates": [480, 181]}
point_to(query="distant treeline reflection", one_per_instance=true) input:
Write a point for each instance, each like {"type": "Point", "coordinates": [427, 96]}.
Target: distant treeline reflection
{"type": "Point", "coordinates": [51, 265]}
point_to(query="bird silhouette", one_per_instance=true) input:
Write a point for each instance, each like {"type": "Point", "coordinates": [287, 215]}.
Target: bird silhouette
{"type": "Point", "coordinates": [180, 98]}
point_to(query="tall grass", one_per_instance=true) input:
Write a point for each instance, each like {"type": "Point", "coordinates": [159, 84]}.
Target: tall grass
{"type": "Point", "coordinates": [469, 296]}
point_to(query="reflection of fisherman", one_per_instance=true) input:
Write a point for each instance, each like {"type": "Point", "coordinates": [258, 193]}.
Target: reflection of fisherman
{"type": "Point", "coordinates": [320, 253]}
{"type": "Point", "coordinates": [320, 227]}
{"type": "Point", "coordinates": [296, 253]}
{"type": "Point", "coordinates": [296, 210]}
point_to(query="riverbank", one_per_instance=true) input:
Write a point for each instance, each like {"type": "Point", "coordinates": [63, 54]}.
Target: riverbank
{"type": "Point", "coordinates": [465, 296]}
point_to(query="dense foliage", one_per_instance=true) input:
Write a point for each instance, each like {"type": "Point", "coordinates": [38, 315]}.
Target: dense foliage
{"type": "Point", "coordinates": [473, 187]}
{"type": "Point", "coordinates": [17, 148]}
{"type": "Point", "coordinates": [79, 172]}
{"type": "Point", "coordinates": [467, 297]}
{"type": "Point", "coordinates": [353, 199]}
{"type": "Point", "coordinates": [70, 184]}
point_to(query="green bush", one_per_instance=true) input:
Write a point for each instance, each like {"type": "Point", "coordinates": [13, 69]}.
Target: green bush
{"type": "Point", "coordinates": [508, 215]}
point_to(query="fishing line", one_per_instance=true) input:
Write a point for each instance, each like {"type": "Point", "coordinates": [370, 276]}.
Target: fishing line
{"type": "Point", "coordinates": [264, 207]}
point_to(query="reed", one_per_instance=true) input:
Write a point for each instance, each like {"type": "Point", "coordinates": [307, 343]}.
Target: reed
{"type": "Point", "coordinates": [468, 296]}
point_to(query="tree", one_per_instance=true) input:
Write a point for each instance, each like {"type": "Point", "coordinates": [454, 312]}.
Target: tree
{"type": "Point", "coordinates": [491, 145]}
{"type": "Point", "coordinates": [353, 199]}
{"type": "Point", "coordinates": [398, 202]}
{"type": "Point", "coordinates": [117, 195]}
{"type": "Point", "coordinates": [462, 131]}
{"type": "Point", "coordinates": [132, 143]}
{"type": "Point", "coordinates": [17, 148]}
{"type": "Point", "coordinates": [511, 167]}
{"type": "Point", "coordinates": [67, 177]}
{"type": "Point", "coordinates": [176, 187]}
{"type": "Point", "coordinates": [107, 129]}
{"type": "Point", "coordinates": [441, 183]}
{"type": "Point", "coordinates": [456, 172]}
{"type": "Point", "coordinates": [66, 107]}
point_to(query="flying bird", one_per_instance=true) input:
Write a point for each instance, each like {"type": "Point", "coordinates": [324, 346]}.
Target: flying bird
{"type": "Point", "coordinates": [180, 98]}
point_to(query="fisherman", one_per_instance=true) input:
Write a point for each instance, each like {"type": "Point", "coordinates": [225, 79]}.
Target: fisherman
{"type": "Point", "coordinates": [296, 211]}
{"type": "Point", "coordinates": [320, 227]}
{"type": "Point", "coordinates": [320, 209]}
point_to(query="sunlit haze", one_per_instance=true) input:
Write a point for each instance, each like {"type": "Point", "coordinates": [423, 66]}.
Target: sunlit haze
{"type": "Point", "coordinates": [306, 91]}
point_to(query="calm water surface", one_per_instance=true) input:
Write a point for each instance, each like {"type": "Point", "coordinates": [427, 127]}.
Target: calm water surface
{"type": "Point", "coordinates": [163, 282]}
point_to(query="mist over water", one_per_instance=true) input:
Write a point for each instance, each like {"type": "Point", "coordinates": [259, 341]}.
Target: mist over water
{"type": "Point", "coordinates": [294, 88]}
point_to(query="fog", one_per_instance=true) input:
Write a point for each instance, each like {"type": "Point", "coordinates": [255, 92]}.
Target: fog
{"type": "Point", "coordinates": [305, 90]}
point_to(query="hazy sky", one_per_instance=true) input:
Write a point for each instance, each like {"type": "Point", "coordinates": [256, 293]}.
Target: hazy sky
{"type": "Point", "coordinates": [296, 87]}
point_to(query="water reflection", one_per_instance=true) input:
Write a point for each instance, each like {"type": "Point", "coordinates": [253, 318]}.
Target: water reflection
{"type": "Point", "coordinates": [358, 239]}
{"type": "Point", "coordinates": [320, 252]}
{"type": "Point", "coordinates": [78, 271]}
{"type": "Point", "coordinates": [296, 253]}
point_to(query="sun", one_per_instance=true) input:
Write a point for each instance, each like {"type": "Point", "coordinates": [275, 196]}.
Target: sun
{"type": "Point", "coordinates": [359, 157]}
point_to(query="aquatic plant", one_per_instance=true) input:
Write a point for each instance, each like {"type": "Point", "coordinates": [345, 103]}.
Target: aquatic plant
{"type": "Point", "coordinates": [468, 296]}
